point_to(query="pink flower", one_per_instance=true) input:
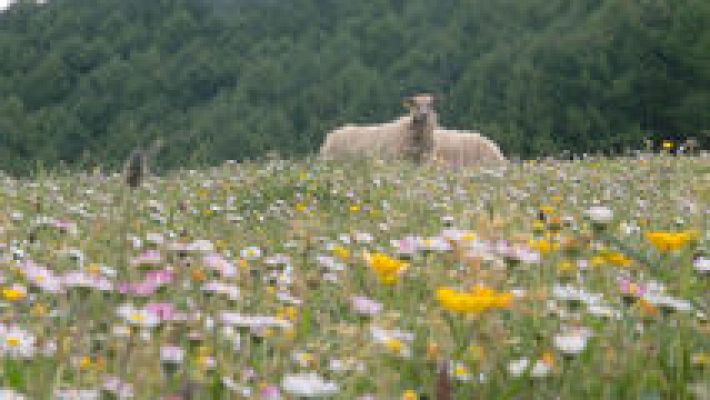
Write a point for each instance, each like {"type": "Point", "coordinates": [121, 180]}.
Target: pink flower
{"type": "Point", "coordinates": [407, 246]}
{"type": "Point", "coordinates": [160, 277]}
{"type": "Point", "coordinates": [143, 289]}
{"type": "Point", "coordinates": [270, 392]}
{"type": "Point", "coordinates": [164, 311]}
{"type": "Point", "coordinates": [148, 257]}
{"type": "Point", "coordinates": [216, 262]}
{"type": "Point", "coordinates": [365, 306]}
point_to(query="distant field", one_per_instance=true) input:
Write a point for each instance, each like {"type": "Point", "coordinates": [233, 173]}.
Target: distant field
{"type": "Point", "coordinates": [548, 280]}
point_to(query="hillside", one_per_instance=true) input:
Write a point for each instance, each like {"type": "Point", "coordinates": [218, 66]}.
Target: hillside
{"type": "Point", "coordinates": [85, 82]}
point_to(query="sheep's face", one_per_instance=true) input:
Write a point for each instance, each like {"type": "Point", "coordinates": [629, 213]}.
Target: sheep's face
{"type": "Point", "coordinates": [421, 108]}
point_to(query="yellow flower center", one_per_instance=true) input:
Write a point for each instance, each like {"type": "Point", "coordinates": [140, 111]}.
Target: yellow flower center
{"type": "Point", "coordinates": [137, 317]}
{"type": "Point", "coordinates": [12, 341]}
{"type": "Point", "coordinates": [395, 345]}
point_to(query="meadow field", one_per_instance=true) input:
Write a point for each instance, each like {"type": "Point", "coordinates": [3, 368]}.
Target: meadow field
{"type": "Point", "coordinates": [295, 279]}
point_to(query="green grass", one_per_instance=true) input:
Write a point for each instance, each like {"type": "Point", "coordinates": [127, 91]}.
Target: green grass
{"type": "Point", "coordinates": [302, 209]}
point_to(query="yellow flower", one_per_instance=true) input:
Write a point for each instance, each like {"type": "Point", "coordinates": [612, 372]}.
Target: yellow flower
{"type": "Point", "coordinates": [410, 395]}
{"type": "Point", "coordinates": [94, 269]}
{"type": "Point", "coordinates": [670, 241]}
{"type": "Point", "coordinates": [701, 359]}
{"type": "Point", "coordinates": [38, 310]}
{"type": "Point", "coordinates": [13, 294]}
{"type": "Point", "coordinates": [300, 207]}
{"type": "Point", "coordinates": [544, 246]}
{"type": "Point", "coordinates": [566, 266]}
{"type": "Point", "coordinates": [468, 237]}
{"type": "Point", "coordinates": [548, 210]}
{"type": "Point", "coordinates": [354, 208]}
{"type": "Point", "coordinates": [479, 300]}
{"type": "Point", "coordinates": [667, 145]}
{"type": "Point", "coordinates": [342, 253]}
{"type": "Point", "coordinates": [617, 259]}
{"type": "Point", "coordinates": [85, 363]}
{"type": "Point", "coordinates": [597, 261]}
{"type": "Point", "coordinates": [387, 268]}
{"type": "Point", "coordinates": [291, 313]}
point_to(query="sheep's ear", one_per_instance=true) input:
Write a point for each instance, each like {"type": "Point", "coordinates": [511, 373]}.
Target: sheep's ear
{"type": "Point", "coordinates": [407, 103]}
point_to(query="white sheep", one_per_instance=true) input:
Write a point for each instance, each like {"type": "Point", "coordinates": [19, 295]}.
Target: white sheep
{"type": "Point", "coordinates": [462, 148]}
{"type": "Point", "coordinates": [409, 137]}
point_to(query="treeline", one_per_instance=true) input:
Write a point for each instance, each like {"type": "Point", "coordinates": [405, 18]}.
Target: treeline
{"type": "Point", "coordinates": [85, 82]}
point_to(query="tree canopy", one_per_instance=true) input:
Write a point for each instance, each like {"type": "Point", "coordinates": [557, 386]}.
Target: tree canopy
{"type": "Point", "coordinates": [85, 82]}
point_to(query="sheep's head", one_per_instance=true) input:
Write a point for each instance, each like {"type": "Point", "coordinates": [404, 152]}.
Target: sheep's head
{"type": "Point", "coordinates": [423, 117]}
{"type": "Point", "coordinates": [421, 108]}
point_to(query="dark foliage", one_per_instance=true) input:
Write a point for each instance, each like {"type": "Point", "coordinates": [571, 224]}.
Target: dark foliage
{"type": "Point", "coordinates": [87, 81]}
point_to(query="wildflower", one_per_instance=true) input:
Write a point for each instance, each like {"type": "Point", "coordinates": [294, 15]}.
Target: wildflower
{"type": "Point", "coordinates": [139, 317]}
{"type": "Point", "coordinates": [600, 215]}
{"type": "Point", "coordinates": [461, 372]}
{"type": "Point", "coordinates": [341, 252]}
{"type": "Point", "coordinates": [394, 340]}
{"type": "Point", "coordinates": [270, 392]}
{"type": "Point", "coordinates": [216, 262]}
{"type": "Point", "coordinates": [669, 241]}
{"type": "Point", "coordinates": [303, 359]}
{"type": "Point", "coordinates": [148, 258]}
{"type": "Point", "coordinates": [77, 394]}
{"type": "Point", "coordinates": [365, 306]}
{"type": "Point", "coordinates": [616, 258]}
{"type": "Point", "coordinates": [410, 395]}
{"type": "Point", "coordinates": [308, 385]}
{"type": "Point", "coordinates": [14, 293]}
{"type": "Point", "coordinates": [172, 355]}
{"type": "Point", "coordinates": [544, 246]}
{"type": "Point", "coordinates": [701, 359]}
{"type": "Point", "coordinates": [119, 389]}
{"type": "Point", "coordinates": [9, 394]}
{"type": "Point", "coordinates": [518, 367]}
{"type": "Point", "coordinates": [667, 145]}
{"type": "Point", "coordinates": [479, 300]}
{"type": "Point", "coordinates": [251, 253]}
{"type": "Point", "coordinates": [702, 264]}
{"type": "Point", "coordinates": [394, 345]}
{"type": "Point", "coordinates": [388, 269]}
{"type": "Point", "coordinates": [406, 247]}
{"type": "Point", "coordinates": [17, 343]}
{"type": "Point", "coordinates": [572, 342]}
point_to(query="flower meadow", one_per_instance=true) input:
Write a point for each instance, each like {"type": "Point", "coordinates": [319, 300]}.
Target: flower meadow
{"type": "Point", "coordinates": [294, 279]}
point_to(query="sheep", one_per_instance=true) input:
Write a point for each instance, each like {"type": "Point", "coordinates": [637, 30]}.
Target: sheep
{"type": "Point", "coordinates": [462, 148]}
{"type": "Point", "coordinates": [410, 137]}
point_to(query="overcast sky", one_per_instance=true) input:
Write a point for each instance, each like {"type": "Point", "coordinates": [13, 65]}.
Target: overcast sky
{"type": "Point", "coordinates": [5, 3]}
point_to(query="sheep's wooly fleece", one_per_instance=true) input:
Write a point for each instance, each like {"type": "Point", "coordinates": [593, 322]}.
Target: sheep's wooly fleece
{"type": "Point", "coordinates": [403, 138]}
{"type": "Point", "coordinates": [462, 148]}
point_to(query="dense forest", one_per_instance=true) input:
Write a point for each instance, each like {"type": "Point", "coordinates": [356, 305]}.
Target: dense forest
{"type": "Point", "coordinates": [84, 82]}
